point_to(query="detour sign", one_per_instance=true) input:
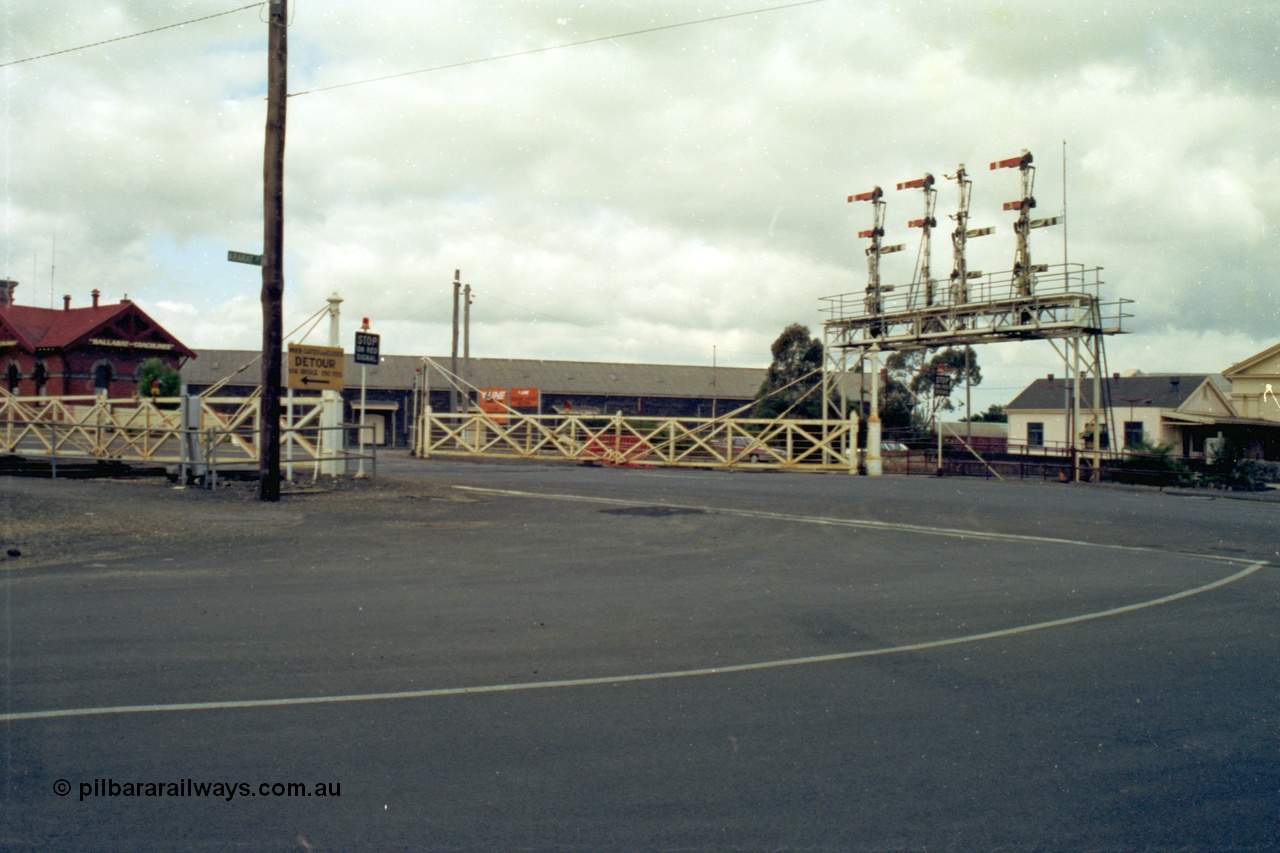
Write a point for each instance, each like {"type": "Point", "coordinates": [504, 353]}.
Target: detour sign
{"type": "Point", "coordinates": [312, 368]}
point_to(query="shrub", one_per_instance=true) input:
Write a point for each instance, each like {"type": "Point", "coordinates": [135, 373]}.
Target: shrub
{"type": "Point", "coordinates": [1232, 469]}
{"type": "Point", "coordinates": [1150, 464]}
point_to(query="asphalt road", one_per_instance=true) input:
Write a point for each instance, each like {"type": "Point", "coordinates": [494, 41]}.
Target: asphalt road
{"type": "Point", "coordinates": [563, 658]}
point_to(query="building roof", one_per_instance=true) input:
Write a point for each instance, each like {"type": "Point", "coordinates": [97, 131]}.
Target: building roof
{"type": "Point", "coordinates": [978, 429]}
{"type": "Point", "coordinates": [62, 329]}
{"type": "Point", "coordinates": [1152, 390]}
{"type": "Point", "coordinates": [552, 377]}
{"type": "Point", "coordinates": [1256, 360]}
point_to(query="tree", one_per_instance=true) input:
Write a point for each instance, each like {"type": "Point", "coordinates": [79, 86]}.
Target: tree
{"type": "Point", "coordinates": [912, 382]}
{"type": "Point", "coordinates": [953, 363]}
{"type": "Point", "coordinates": [151, 370]}
{"type": "Point", "coordinates": [897, 400]}
{"type": "Point", "coordinates": [794, 379]}
{"type": "Point", "coordinates": [994, 414]}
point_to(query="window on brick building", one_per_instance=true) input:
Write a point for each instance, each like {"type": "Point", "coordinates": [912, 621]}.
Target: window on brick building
{"type": "Point", "coordinates": [102, 378]}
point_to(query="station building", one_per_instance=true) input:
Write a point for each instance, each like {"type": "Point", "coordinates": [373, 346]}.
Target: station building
{"type": "Point", "coordinates": [86, 350]}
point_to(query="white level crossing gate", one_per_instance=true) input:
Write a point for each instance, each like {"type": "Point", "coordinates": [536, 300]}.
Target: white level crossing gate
{"type": "Point", "coordinates": [187, 432]}
{"type": "Point", "coordinates": [640, 441]}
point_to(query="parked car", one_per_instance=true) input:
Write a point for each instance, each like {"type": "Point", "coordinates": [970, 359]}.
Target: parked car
{"type": "Point", "coordinates": [743, 449]}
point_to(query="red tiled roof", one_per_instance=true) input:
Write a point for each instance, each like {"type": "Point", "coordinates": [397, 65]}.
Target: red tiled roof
{"type": "Point", "coordinates": [48, 327]}
{"type": "Point", "coordinates": [52, 328]}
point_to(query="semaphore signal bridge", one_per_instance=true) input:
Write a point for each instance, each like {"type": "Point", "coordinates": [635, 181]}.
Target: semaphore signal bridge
{"type": "Point", "coordinates": [1061, 303]}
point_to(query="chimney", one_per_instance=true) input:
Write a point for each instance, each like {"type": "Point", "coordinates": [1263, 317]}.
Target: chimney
{"type": "Point", "coordinates": [1115, 376]}
{"type": "Point", "coordinates": [6, 292]}
{"type": "Point", "coordinates": [66, 302]}
{"type": "Point", "coordinates": [1175, 382]}
{"type": "Point", "coordinates": [95, 294]}
{"type": "Point", "coordinates": [1050, 377]}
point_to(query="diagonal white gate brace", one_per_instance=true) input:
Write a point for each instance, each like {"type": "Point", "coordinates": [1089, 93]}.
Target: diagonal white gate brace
{"type": "Point", "coordinates": [642, 441]}
{"type": "Point", "coordinates": [150, 431]}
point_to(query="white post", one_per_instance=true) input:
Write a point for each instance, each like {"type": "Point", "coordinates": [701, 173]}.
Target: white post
{"type": "Point", "coordinates": [364, 373]}
{"type": "Point", "coordinates": [875, 467]}
{"type": "Point", "coordinates": [852, 443]}
{"type": "Point", "coordinates": [288, 440]}
{"type": "Point", "coordinates": [937, 423]}
{"type": "Point", "coordinates": [1075, 409]}
{"type": "Point", "coordinates": [424, 433]}
{"type": "Point", "coordinates": [331, 402]}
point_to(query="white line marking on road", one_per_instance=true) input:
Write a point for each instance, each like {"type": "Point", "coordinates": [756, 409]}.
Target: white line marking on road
{"type": "Point", "coordinates": [628, 679]}
{"type": "Point", "coordinates": [853, 522]}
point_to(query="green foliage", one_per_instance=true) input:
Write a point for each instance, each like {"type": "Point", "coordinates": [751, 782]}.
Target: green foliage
{"type": "Point", "coordinates": [1151, 464]}
{"type": "Point", "coordinates": [952, 362]}
{"type": "Point", "coordinates": [994, 414]}
{"type": "Point", "coordinates": [1232, 468]}
{"type": "Point", "coordinates": [153, 369]}
{"type": "Point", "coordinates": [909, 399]}
{"type": "Point", "coordinates": [796, 357]}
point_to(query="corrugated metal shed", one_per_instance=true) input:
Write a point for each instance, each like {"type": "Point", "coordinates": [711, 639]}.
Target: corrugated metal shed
{"type": "Point", "coordinates": [553, 377]}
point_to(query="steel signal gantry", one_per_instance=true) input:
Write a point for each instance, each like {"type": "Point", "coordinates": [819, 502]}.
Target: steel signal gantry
{"type": "Point", "coordinates": [924, 274]}
{"type": "Point", "coordinates": [1023, 273]}
{"type": "Point", "coordinates": [875, 290]}
{"type": "Point", "coordinates": [960, 272]}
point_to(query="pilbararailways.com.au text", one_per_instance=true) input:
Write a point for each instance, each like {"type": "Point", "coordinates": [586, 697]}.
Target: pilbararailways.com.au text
{"type": "Point", "coordinates": [192, 788]}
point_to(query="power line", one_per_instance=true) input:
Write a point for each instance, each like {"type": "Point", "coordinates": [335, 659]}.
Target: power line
{"type": "Point", "coordinates": [134, 35]}
{"type": "Point", "coordinates": [535, 50]}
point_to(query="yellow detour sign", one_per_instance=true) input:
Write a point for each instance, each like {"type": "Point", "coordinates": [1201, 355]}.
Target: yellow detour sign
{"type": "Point", "coordinates": [315, 368]}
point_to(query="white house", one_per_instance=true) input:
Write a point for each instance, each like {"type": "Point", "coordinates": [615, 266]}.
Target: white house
{"type": "Point", "coordinates": [1182, 410]}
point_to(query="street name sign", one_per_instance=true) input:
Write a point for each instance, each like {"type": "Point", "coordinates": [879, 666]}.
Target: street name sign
{"type": "Point", "coordinates": [367, 344]}
{"type": "Point", "coordinates": [245, 258]}
{"type": "Point", "coordinates": [312, 368]}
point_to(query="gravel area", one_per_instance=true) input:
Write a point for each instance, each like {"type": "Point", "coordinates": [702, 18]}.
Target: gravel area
{"type": "Point", "coordinates": [54, 521]}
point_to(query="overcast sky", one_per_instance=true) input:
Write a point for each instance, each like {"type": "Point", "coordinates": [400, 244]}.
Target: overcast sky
{"type": "Point", "coordinates": [650, 197]}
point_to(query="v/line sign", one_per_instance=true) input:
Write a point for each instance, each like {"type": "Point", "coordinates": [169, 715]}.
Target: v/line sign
{"type": "Point", "coordinates": [312, 368]}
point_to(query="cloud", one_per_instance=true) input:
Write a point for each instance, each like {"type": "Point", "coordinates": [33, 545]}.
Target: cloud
{"type": "Point", "coordinates": [643, 198]}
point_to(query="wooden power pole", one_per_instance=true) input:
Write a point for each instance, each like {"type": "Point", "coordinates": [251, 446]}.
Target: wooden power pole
{"type": "Point", "coordinates": [273, 255]}
{"type": "Point", "coordinates": [453, 357]}
{"type": "Point", "coordinates": [466, 333]}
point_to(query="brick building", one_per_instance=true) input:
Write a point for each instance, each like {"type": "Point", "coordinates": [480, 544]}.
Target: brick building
{"type": "Point", "coordinates": [96, 349]}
